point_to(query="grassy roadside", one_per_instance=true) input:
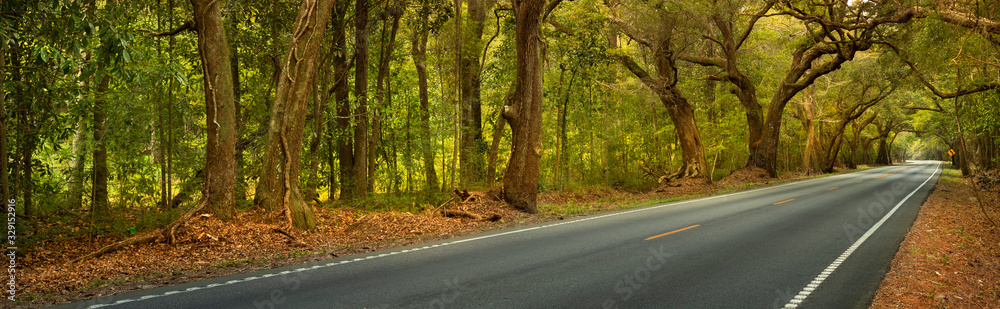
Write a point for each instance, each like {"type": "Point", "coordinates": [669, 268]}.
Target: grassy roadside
{"type": "Point", "coordinates": [950, 258]}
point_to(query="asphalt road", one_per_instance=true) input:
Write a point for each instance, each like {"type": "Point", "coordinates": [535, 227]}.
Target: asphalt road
{"type": "Point", "coordinates": [819, 243]}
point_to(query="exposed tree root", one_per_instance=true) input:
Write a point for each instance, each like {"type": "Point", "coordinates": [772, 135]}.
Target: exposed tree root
{"type": "Point", "coordinates": [454, 213]}
{"type": "Point", "coordinates": [685, 171]}
{"type": "Point", "coordinates": [138, 240]}
{"type": "Point", "coordinates": [166, 234]}
{"type": "Point", "coordinates": [464, 199]}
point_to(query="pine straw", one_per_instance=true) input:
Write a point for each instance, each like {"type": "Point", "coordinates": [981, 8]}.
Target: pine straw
{"type": "Point", "coordinates": [206, 244]}
{"type": "Point", "coordinates": [950, 257]}
{"type": "Point", "coordinates": [746, 175]}
{"type": "Point", "coordinates": [207, 247]}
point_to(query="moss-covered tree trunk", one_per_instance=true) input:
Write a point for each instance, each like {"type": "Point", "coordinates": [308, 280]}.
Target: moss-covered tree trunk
{"type": "Point", "coordinates": [220, 110]}
{"type": "Point", "coordinates": [418, 46]}
{"type": "Point", "coordinates": [361, 136]}
{"type": "Point", "coordinates": [520, 181]}
{"type": "Point", "coordinates": [99, 200]}
{"type": "Point", "coordinates": [278, 188]}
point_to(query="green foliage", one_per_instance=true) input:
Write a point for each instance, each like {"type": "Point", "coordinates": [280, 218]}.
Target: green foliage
{"type": "Point", "coordinates": [613, 123]}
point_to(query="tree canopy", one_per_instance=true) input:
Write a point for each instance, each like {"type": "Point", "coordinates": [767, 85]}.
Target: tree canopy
{"type": "Point", "coordinates": [146, 111]}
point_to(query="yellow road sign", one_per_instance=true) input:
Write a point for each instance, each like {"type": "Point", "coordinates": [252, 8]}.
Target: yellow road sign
{"type": "Point", "coordinates": [951, 152]}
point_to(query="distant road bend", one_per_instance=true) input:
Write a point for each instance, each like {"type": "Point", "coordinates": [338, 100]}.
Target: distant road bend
{"type": "Point", "coordinates": [819, 243]}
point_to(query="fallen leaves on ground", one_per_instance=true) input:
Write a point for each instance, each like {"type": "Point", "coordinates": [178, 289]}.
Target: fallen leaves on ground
{"type": "Point", "coordinates": [207, 247]}
{"type": "Point", "coordinates": [951, 255]}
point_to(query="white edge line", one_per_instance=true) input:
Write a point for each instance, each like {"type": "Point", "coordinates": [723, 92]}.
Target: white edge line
{"type": "Point", "coordinates": [815, 283]}
{"type": "Point", "coordinates": [372, 257]}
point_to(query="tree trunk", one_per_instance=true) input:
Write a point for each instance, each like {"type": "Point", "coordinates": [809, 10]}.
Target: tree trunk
{"type": "Point", "coordinates": [678, 108]}
{"type": "Point", "coordinates": [801, 73]}
{"type": "Point", "coordinates": [963, 150]}
{"type": "Point", "coordinates": [320, 83]}
{"type": "Point", "coordinates": [457, 149]}
{"type": "Point", "coordinates": [27, 134]}
{"type": "Point", "coordinates": [419, 54]}
{"type": "Point", "coordinates": [4, 183]}
{"type": "Point", "coordinates": [29, 138]}
{"type": "Point", "coordinates": [360, 179]}
{"type": "Point", "coordinates": [100, 208]}
{"type": "Point", "coordinates": [383, 96]}
{"type": "Point", "coordinates": [15, 61]}
{"type": "Point", "coordinates": [883, 152]}
{"type": "Point", "coordinates": [561, 153]}
{"type": "Point", "coordinates": [278, 189]}
{"type": "Point", "coordinates": [746, 90]}
{"type": "Point", "coordinates": [345, 145]}
{"type": "Point", "coordinates": [491, 167]}
{"type": "Point", "coordinates": [809, 157]}
{"type": "Point", "coordinates": [520, 181]}
{"type": "Point", "coordinates": [686, 128]}
{"type": "Point", "coordinates": [170, 106]}
{"type": "Point", "coordinates": [220, 110]}
{"type": "Point", "coordinates": [472, 145]}
{"type": "Point", "coordinates": [74, 197]}
{"type": "Point", "coordinates": [240, 185]}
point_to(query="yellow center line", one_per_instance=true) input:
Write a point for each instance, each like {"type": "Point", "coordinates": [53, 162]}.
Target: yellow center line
{"type": "Point", "coordinates": [785, 201]}
{"type": "Point", "coordinates": [674, 231]}
{"type": "Point", "coordinates": [831, 189]}
{"type": "Point", "coordinates": [860, 181]}
{"type": "Point", "coordinates": [898, 171]}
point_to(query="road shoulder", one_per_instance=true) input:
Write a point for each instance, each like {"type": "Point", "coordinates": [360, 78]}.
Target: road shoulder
{"type": "Point", "coordinates": [950, 258]}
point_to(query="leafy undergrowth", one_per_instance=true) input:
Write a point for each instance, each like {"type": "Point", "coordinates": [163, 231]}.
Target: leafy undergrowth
{"type": "Point", "coordinates": [951, 255]}
{"type": "Point", "coordinates": [207, 247]}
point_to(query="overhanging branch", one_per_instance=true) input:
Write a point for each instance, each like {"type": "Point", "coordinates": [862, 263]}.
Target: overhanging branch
{"type": "Point", "coordinates": [186, 26]}
{"type": "Point", "coordinates": [932, 88]}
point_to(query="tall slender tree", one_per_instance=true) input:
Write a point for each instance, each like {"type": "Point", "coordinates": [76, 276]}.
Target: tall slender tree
{"type": "Point", "coordinates": [100, 208]}
{"type": "Point", "coordinates": [361, 132]}
{"type": "Point", "coordinates": [341, 70]}
{"type": "Point", "coordinates": [278, 188]}
{"type": "Point", "coordinates": [418, 51]}
{"type": "Point", "coordinates": [220, 110]}
{"type": "Point", "coordinates": [472, 146]}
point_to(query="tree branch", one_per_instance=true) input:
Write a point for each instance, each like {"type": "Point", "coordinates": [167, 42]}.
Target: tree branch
{"type": "Point", "coordinates": [548, 9]}
{"type": "Point", "coordinates": [705, 61]}
{"type": "Point", "coordinates": [651, 82]}
{"type": "Point", "coordinates": [753, 21]}
{"type": "Point", "coordinates": [965, 20]}
{"type": "Point", "coordinates": [629, 31]}
{"type": "Point", "coordinates": [561, 28]}
{"type": "Point", "coordinates": [932, 88]}
{"type": "Point", "coordinates": [899, 18]}
{"type": "Point", "coordinates": [933, 109]}
{"type": "Point", "coordinates": [188, 25]}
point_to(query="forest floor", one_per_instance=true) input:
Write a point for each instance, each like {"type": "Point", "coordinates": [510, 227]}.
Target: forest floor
{"type": "Point", "coordinates": [951, 255]}
{"type": "Point", "coordinates": [207, 247]}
